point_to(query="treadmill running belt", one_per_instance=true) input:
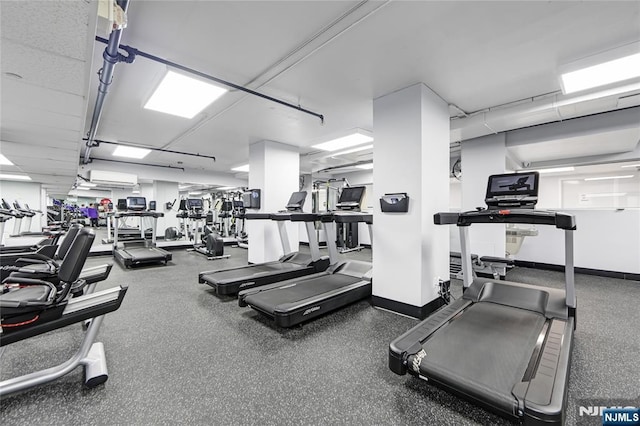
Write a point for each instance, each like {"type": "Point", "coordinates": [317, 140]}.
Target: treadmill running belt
{"type": "Point", "coordinates": [250, 271]}
{"type": "Point", "coordinates": [270, 299]}
{"type": "Point", "coordinates": [484, 351]}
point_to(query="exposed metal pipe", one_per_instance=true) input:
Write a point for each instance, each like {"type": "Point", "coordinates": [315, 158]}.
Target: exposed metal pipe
{"type": "Point", "coordinates": [111, 58]}
{"type": "Point", "coordinates": [99, 141]}
{"type": "Point", "coordinates": [136, 52]}
{"type": "Point", "coordinates": [138, 164]}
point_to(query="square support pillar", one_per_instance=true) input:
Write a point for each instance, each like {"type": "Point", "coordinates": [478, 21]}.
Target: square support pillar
{"type": "Point", "coordinates": [165, 192]}
{"type": "Point", "coordinates": [411, 154]}
{"type": "Point", "coordinates": [274, 168]}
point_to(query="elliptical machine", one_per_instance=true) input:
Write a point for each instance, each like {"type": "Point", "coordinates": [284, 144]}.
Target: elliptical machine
{"type": "Point", "coordinates": [211, 243]}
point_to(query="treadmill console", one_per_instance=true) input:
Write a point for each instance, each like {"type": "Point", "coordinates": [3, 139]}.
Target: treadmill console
{"type": "Point", "coordinates": [194, 204]}
{"type": "Point", "coordinates": [136, 203]}
{"type": "Point", "coordinates": [296, 201]}
{"type": "Point", "coordinates": [351, 198]}
{"type": "Point", "coordinates": [514, 190]}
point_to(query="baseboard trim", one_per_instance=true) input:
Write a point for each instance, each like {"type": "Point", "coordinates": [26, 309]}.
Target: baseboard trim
{"type": "Point", "coordinates": [324, 244]}
{"type": "Point", "coordinates": [586, 271]}
{"type": "Point", "coordinates": [420, 312]}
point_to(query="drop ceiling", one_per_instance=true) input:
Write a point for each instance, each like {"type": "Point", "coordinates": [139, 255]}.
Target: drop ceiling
{"type": "Point", "coordinates": [333, 58]}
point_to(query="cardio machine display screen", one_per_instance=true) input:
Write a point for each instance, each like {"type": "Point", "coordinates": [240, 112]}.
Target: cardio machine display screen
{"type": "Point", "coordinates": [297, 199]}
{"type": "Point", "coordinates": [136, 203]}
{"type": "Point", "coordinates": [353, 194]}
{"type": "Point", "coordinates": [194, 203]}
{"type": "Point", "coordinates": [519, 184]}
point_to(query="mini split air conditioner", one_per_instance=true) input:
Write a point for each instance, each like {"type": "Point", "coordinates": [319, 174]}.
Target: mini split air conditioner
{"type": "Point", "coordinates": [102, 177]}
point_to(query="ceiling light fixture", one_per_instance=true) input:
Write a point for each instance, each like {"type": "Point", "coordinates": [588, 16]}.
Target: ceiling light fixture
{"type": "Point", "coordinates": [610, 177]}
{"type": "Point", "coordinates": [83, 189]}
{"type": "Point", "coordinates": [243, 168]}
{"type": "Point", "coordinates": [14, 177]}
{"type": "Point", "coordinates": [555, 170]}
{"type": "Point", "coordinates": [353, 138]}
{"type": "Point", "coordinates": [606, 194]}
{"type": "Point", "coordinates": [195, 193]}
{"type": "Point", "coordinates": [605, 68]}
{"type": "Point", "coordinates": [4, 161]}
{"type": "Point", "coordinates": [630, 165]}
{"type": "Point", "coordinates": [88, 184]}
{"type": "Point", "coordinates": [367, 166]}
{"type": "Point", "coordinates": [184, 96]}
{"type": "Point", "coordinates": [352, 150]}
{"type": "Point", "coordinates": [225, 188]}
{"type": "Point", "coordinates": [130, 152]}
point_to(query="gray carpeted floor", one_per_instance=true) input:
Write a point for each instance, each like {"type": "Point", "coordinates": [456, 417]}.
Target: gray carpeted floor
{"type": "Point", "coordinates": [179, 354]}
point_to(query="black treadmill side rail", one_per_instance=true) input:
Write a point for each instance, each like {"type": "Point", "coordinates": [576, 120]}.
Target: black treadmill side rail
{"type": "Point", "coordinates": [528, 216]}
{"type": "Point", "coordinates": [410, 342]}
{"type": "Point", "coordinates": [290, 314]}
{"type": "Point", "coordinates": [257, 216]}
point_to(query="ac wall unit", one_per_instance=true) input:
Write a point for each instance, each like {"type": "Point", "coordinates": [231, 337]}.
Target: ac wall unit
{"type": "Point", "coordinates": [102, 177]}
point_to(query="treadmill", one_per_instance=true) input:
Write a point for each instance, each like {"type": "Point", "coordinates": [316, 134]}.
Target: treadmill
{"type": "Point", "coordinates": [503, 345]}
{"type": "Point", "coordinates": [228, 281]}
{"type": "Point", "coordinates": [141, 251]}
{"type": "Point", "coordinates": [294, 301]}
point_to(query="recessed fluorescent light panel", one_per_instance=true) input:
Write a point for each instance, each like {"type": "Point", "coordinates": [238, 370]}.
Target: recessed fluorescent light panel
{"type": "Point", "coordinates": [556, 170]}
{"type": "Point", "coordinates": [225, 188]}
{"type": "Point", "coordinates": [352, 150]}
{"type": "Point", "coordinates": [367, 166]}
{"type": "Point", "coordinates": [4, 161]}
{"type": "Point", "coordinates": [606, 194]}
{"type": "Point", "coordinates": [610, 177]}
{"type": "Point", "coordinates": [88, 184]}
{"type": "Point", "coordinates": [243, 168]}
{"type": "Point", "coordinates": [83, 189]}
{"type": "Point", "coordinates": [14, 177]}
{"type": "Point", "coordinates": [609, 67]}
{"type": "Point", "coordinates": [631, 165]}
{"type": "Point", "coordinates": [356, 137]}
{"type": "Point", "coordinates": [184, 96]}
{"type": "Point", "coordinates": [130, 152]}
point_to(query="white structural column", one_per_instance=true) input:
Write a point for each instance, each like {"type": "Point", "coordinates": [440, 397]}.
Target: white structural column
{"type": "Point", "coordinates": [482, 157]}
{"type": "Point", "coordinates": [274, 168]}
{"type": "Point", "coordinates": [411, 154]}
{"type": "Point", "coordinates": [165, 192]}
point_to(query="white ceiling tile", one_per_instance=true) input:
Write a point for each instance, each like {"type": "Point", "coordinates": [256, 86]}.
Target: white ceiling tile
{"type": "Point", "coordinates": [42, 68]}
{"type": "Point", "coordinates": [22, 94]}
{"type": "Point", "coordinates": [56, 26]}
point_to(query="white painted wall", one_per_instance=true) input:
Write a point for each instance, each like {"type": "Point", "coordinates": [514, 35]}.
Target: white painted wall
{"type": "Point", "coordinates": [24, 193]}
{"type": "Point", "coordinates": [605, 239]}
{"type": "Point", "coordinates": [481, 158]}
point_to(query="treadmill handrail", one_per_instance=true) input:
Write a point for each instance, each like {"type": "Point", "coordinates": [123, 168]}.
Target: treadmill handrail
{"type": "Point", "coordinates": [139, 214]}
{"type": "Point", "coordinates": [560, 220]}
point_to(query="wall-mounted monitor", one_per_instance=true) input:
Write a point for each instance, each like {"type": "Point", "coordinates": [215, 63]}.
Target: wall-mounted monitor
{"type": "Point", "coordinates": [152, 205]}
{"type": "Point", "coordinates": [251, 199]}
